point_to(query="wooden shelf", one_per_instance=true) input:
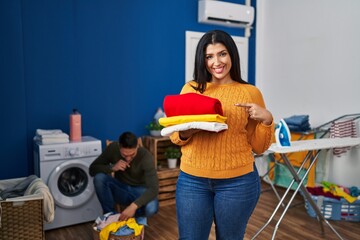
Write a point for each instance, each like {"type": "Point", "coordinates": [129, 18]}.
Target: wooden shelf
{"type": "Point", "coordinates": [167, 186]}
{"type": "Point", "coordinates": [167, 177]}
{"type": "Point", "coordinates": [157, 146]}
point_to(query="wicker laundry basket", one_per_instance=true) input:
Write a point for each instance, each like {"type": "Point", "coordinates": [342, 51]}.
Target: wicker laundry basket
{"type": "Point", "coordinates": [21, 217]}
{"type": "Point", "coordinates": [114, 237]}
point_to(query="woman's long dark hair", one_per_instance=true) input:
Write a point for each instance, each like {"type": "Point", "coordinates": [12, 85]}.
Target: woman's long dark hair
{"type": "Point", "coordinates": [201, 74]}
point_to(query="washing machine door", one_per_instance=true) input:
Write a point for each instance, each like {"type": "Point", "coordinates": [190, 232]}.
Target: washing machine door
{"type": "Point", "coordinates": [70, 184]}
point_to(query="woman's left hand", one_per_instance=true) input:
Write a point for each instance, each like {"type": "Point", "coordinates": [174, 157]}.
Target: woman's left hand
{"type": "Point", "coordinates": [257, 113]}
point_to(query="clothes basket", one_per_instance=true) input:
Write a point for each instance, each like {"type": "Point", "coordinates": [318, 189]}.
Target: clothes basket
{"type": "Point", "coordinates": [114, 237]}
{"type": "Point", "coordinates": [334, 209]}
{"type": "Point", "coordinates": [21, 218]}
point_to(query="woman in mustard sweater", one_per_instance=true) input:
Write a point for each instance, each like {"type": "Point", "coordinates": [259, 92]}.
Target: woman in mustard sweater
{"type": "Point", "coordinates": [218, 181]}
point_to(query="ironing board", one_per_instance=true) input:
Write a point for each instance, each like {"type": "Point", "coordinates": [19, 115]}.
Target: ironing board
{"type": "Point", "coordinates": [312, 145]}
{"type": "Point", "coordinates": [296, 159]}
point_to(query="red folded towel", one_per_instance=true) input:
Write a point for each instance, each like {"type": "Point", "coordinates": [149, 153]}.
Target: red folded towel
{"type": "Point", "coordinates": [191, 104]}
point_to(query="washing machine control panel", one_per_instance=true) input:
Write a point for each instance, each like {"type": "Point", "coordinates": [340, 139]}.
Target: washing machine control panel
{"type": "Point", "coordinates": [82, 151]}
{"type": "Point", "coordinates": [74, 152]}
{"type": "Point", "coordinates": [88, 148]}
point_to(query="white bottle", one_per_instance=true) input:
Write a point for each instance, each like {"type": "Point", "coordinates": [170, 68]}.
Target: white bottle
{"type": "Point", "coordinates": [159, 114]}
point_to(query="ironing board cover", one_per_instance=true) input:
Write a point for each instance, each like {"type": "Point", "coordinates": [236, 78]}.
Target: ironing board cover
{"type": "Point", "coordinates": [316, 144]}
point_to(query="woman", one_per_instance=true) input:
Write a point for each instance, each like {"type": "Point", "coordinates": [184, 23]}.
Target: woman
{"type": "Point", "coordinates": [218, 181]}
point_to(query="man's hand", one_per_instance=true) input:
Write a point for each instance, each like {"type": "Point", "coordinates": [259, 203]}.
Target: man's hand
{"type": "Point", "coordinates": [121, 165]}
{"type": "Point", "coordinates": [128, 212]}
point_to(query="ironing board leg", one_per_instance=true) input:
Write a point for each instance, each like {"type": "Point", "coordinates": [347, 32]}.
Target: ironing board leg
{"type": "Point", "coordinates": [297, 179]}
{"type": "Point", "coordinates": [279, 204]}
{"type": "Point", "coordinates": [320, 217]}
{"type": "Point", "coordinates": [274, 212]}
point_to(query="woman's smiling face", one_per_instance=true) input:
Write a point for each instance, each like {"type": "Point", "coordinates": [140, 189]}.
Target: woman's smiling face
{"type": "Point", "coordinates": [218, 63]}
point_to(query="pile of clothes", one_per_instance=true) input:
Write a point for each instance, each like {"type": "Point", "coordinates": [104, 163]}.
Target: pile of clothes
{"type": "Point", "coordinates": [109, 224]}
{"type": "Point", "coordinates": [298, 123]}
{"type": "Point", "coordinates": [192, 111]}
{"type": "Point", "coordinates": [52, 136]}
{"type": "Point", "coordinates": [335, 191]}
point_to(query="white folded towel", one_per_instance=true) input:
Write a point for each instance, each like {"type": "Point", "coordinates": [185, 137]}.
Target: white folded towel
{"type": "Point", "coordinates": [54, 140]}
{"type": "Point", "coordinates": [41, 132]}
{"type": "Point", "coordinates": [51, 136]}
{"type": "Point", "coordinates": [55, 135]}
{"type": "Point", "coordinates": [45, 141]}
{"type": "Point", "coordinates": [207, 126]}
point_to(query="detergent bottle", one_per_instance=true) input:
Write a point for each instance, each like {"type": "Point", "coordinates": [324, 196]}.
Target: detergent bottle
{"type": "Point", "coordinates": [75, 126]}
{"type": "Point", "coordinates": [282, 134]}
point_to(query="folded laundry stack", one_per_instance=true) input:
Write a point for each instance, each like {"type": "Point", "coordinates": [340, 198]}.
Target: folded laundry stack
{"type": "Point", "coordinates": [192, 111]}
{"type": "Point", "coordinates": [298, 123]}
{"type": "Point", "coordinates": [51, 136]}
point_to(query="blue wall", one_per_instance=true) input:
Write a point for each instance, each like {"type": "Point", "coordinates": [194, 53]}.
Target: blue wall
{"type": "Point", "coordinates": [113, 60]}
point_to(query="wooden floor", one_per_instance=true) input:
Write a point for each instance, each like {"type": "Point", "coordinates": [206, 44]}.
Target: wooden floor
{"type": "Point", "coordinates": [297, 224]}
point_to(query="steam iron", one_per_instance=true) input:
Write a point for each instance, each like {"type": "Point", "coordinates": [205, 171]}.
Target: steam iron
{"type": "Point", "coordinates": [282, 134]}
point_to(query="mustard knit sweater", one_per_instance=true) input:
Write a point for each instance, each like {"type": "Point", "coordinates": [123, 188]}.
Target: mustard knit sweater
{"type": "Point", "coordinates": [229, 153]}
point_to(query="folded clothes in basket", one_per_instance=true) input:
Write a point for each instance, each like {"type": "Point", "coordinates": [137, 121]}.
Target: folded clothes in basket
{"type": "Point", "coordinates": [318, 191]}
{"type": "Point", "coordinates": [337, 191]}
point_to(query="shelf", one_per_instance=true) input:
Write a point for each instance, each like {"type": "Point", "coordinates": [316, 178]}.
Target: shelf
{"type": "Point", "coordinates": [167, 177]}
{"type": "Point", "coordinates": [157, 146]}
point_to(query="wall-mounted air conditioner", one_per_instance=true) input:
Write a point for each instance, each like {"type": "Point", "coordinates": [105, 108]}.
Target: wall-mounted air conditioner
{"type": "Point", "coordinates": [225, 14]}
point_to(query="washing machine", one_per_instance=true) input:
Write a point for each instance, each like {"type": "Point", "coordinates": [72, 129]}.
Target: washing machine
{"type": "Point", "coordinates": [64, 167]}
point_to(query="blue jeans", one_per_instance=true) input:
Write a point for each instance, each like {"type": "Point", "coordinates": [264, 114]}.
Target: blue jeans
{"type": "Point", "coordinates": [110, 191]}
{"type": "Point", "coordinates": [227, 202]}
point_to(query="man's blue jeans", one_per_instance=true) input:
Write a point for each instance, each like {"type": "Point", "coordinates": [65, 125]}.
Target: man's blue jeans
{"type": "Point", "coordinates": [110, 191]}
{"type": "Point", "coordinates": [227, 202]}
